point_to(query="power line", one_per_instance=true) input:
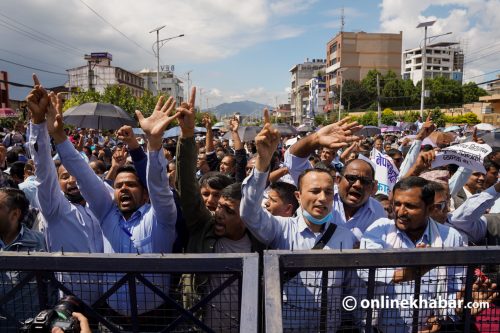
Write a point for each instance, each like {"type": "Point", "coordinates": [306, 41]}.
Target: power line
{"type": "Point", "coordinates": [15, 84]}
{"type": "Point", "coordinates": [38, 60]}
{"type": "Point", "coordinates": [50, 38]}
{"type": "Point", "coordinates": [116, 29]}
{"type": "Point", "coordinates": [37, 69]}
{"type": "Point", "coordinates": [468, 78]}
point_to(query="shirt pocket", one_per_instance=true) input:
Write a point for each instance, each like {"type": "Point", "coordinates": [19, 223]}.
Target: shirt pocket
{"type": "Point", "coordinates": [144, 245]}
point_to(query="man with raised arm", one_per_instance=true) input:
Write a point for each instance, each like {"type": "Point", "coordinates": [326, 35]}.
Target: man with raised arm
{"type": "Point", "coordinates": [353, 205]}
{"type": "Point", "coordinates": [312, 225]}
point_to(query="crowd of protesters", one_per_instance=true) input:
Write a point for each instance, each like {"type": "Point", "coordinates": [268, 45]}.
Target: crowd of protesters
{"type": "Point", "coordinates": [84, 191]}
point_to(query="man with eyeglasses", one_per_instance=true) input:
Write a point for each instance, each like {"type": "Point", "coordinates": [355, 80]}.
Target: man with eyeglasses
{"type": "Point", "coordinates": [353, 205]}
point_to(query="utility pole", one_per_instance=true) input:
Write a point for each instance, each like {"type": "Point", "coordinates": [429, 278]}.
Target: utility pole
{"type": "Point", "coordinates": [340, 99]}
{"type": "Point", "coordinates": [424, 57]}
{"type": "Point", "coordinates": [379, 116]}
{"type": "Point", "coordinates": [157, 57]}
{"type": "Point", "coordinates": [188, 85]}
{"type": "Point", "coordinates": [91, 76]}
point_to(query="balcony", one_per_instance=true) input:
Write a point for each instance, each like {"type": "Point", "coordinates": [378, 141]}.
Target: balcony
{"type": "Point", "coordinates": [333, 68]}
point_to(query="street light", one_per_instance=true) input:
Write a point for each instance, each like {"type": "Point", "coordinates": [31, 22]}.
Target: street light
{"type": "Point", "coordinates": [424, 56]}
{"type": "Point", "coordinates": [339, 72]}
{"type": "Point", "coordinates": [157, 53]}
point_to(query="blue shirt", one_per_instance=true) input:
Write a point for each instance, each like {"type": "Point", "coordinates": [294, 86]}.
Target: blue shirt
{"type": "Point", "coordinates": [366, 214]}
{"type": "Point", "coordinates": [432, 283]}
{"type": "Point", "coordinates": [150, 229]}
{"type": "Point", "coordinates": [302, 294]}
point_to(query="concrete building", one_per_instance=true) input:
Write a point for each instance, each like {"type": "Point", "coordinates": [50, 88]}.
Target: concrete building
{"type": "Point", "coordinates": [98, 74]}
{"type": "Point", "coordinates": [299, 95]}
{"type": "Point", "coordinates": [443, 59]}
{"type": "Point", "coordinates": [283, 113]}
{"type": "Point", "coordinates": [317, 96]}
{"type": "Point", "coordinates": [350, 55]}
{"type": "Point", "coordinates": [169, 83]}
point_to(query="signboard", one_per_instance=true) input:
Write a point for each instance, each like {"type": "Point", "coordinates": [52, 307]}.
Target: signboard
{"type": "Point", "coordinates": [167, 68]}
{"type": "Point", "coordinates": [469, 155]}
{"type": "Point", "coordinates": [386, 173]}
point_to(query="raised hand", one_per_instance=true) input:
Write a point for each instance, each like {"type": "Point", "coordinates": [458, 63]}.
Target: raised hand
{"type": "Point", "coordinates": [266, 142]}
{"type": "Point", "coordinates": [126, 134]}
{"type": "Point", "coordinates": [337, 135]}
{"type": "Point", "coordinates": [207, 121]}
{"type": "Point", "coordinates": [427, 128]}
{"type": "Point", "coordinates": [119, 157]}
{"type": "Point", "coordinates": [482, 291]}
{"type": "Point", "coordinates": [155, 125]}
{"type": "Point", "coordinates": [37, 101]}
{"type": "Point", "coordinates": [234, 124]}
{"type": "Point", "coordinates": [55, 124]}
{"type": "Point", "coordinates": [186, 113]}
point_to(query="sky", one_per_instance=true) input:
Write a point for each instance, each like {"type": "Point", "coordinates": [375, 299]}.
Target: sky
{"type": "Point", "coordinates": [234, 50]}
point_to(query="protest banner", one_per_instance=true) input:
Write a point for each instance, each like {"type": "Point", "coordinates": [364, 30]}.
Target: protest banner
{"type": "Point", "coordinates": [469, 155]}
{"type": "Point", "coordinates": [386, 173]}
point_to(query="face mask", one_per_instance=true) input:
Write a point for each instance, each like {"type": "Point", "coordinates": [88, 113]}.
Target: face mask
{"type": "Point", "coordinates": [316, 221]}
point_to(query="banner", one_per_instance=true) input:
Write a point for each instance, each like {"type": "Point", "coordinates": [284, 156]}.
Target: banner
{"type": "Point", "coordinates": [469, 155]}
{"type": "Point", "coordinates": [386, 173]}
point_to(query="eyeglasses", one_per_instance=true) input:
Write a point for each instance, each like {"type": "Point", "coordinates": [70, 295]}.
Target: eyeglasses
{"type": "Point", "coordinates": [365, 181]}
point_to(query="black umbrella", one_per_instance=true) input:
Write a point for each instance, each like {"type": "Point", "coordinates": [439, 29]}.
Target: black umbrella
{"type": "Point", "coordinates": [285, 129]}
{"type": "Point", "coordinates": [246, 133]}
{"type": "Point", "coordinates": [492, 139]}
{"type": "Point", "coordinates": [98, 116]}
{"type": "Point", "coordinates": [368, 131]}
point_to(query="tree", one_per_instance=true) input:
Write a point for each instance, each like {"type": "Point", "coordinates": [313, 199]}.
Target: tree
{"type": "Point", "coordinates": [388, 117]}
{"type": "Point", "coordinates": [369, 118]}
{"type": "Point", "coordinates": [121, 96]}
{"type": "Point", "coordinates": [438, 117]}
{"type": "Point", "coordinates": [81, 97]}
{"type": "Point", "coordinates": [472, 92]}
{"type": "Point", "coordinates": [444, 92]}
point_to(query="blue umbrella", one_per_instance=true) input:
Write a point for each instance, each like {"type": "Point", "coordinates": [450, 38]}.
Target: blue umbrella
{"type": "Point", "coordinates": [138, 131]}
{"type": "Point", "coordinates": [452, 129]}
{"type": "Point", "coordinates": [176, 131]}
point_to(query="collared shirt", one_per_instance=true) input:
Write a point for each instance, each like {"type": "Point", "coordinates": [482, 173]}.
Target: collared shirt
{"type": "Point", "coordinates": [71, 227]}
{"type": "Point", "coordinates": [432, 283]}
{"type": "Point", "coordinates": [302, 294]}
{"type": "Point", "coordinates": [368, 213]}
{"type": "Point", "coordinates": [29, 187]}
{"type": "Point", "coordinates": [150, 229]}
{"type": "Point", "coordinates": [468, 219]}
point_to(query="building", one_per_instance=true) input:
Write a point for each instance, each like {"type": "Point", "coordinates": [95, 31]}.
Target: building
{"type": "Point", "coordinates": [443, 59]}
{"type": "Point", "coordinates": [169, 83]}
{"type": "Point", "coordinates": [299, 95]}
{"type": "Point", "coordinates": [283, 113]}
{"type": "Point", "coordinates": [4, 90]}
{"type": "Point", "coordinates": [98, 74]}
{"type": "Point", "coordinates": [350, 55]}
{"type": "Point", "coordinates": [317, 96]}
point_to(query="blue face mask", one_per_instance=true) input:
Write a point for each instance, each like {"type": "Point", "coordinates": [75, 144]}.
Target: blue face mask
{"type": "Point", "coordinates": [316, 221]}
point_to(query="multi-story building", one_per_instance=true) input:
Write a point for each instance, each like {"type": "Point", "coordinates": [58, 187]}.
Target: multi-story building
{"type": "Point", "coordinates": [169, 83]}
{"type": "Point", "coordinates": [98, 74]}
{"type": "Point", "coordinates": [350, 55]}
{"type": "Point", "coordinates": [317, 95]}
{"type": "Point", "coordinates": [443, 59]}
{"type": "Point", "coordinates": [283, 113]}
{"type": "Point", "coordinates": [301, 74]}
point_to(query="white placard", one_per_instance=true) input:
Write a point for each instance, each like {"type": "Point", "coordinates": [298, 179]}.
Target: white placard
{"type": "Point", "coordinates": [469, 155]}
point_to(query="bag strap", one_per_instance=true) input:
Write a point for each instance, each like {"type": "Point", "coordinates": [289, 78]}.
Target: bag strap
{"type": "Point", "coordinates": [325, 238]}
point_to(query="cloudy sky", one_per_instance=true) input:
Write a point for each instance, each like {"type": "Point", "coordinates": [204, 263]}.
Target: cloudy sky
{"type": "Point", "coordinates": [235, 50]}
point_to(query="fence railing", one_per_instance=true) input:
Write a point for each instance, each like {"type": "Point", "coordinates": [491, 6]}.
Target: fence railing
{"type": "Point", "coordinates": [303, 291]}
{"type": "Point", "coordinates": [361, 290]}
{"type": "Point", "coordinates": [136, 293]}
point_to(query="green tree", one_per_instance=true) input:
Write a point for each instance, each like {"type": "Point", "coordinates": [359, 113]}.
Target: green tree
{"type": "Point", "coordinates": [369, 118]}
{"type": "Point", "coordinates": [388, 117]}
{"type": "Point", "coordinates": [472, 92]}
{"type": "Point", "coordinates": [444, 92]}
{"type": "Point", "coordinates": [438, 117]}
{"type": "Point", "coordinates": [80, 97]}
{"type": "Point", "coordinates": [121, 96]}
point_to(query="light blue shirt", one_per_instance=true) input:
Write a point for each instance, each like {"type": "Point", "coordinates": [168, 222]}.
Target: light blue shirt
{"type": "Point", "coordinates": [29, 187]}
{"type": "Point", "coordinates": [292, 233]}
{"type": "Point", "coordinates": [366, 214]}
{"type": "Point", "coordinates": [400, 320]}
{"type": "Point", "coordinates": [468, 219]}
{"type": "Point", "coordinates": [71, 227]}
{"type": "Point", "coordinates": [150, 229]}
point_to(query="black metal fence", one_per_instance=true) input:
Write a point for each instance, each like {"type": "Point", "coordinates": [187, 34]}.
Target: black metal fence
{"type": "Point", "coordinates": [403, 290]}
{"type": "Point", "coordinates": [135, 293]}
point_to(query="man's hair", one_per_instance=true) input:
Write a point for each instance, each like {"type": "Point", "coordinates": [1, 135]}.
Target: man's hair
{"type": "Point", "coordinates": [436, 187]}
{"type": "Point", "coordinates": [490, 164]}
{"type": "Point", "coordinates": [100, 166]}
{"type": "Point", "coordinates": [127, 168]}
{"type": "Point", "coordinates": [393, 152]}
{"type": "Point", "coordinates": [427, 195]}
{"type": "Point", "coordinates": [309, 171]}
{"type": "Point", "coordinates": [17, 169]}
{"type": "Point", "coordinates": [233, 159]}
{"type": "Point", "coordinates": [358, 159]}
{"type": "Point", "coordinates": [232, 192]}
{"type": "Point", "coordinates": [286, 192]}
{"type": "Point", "coordinates": [323, 166]}
{"type": "Point", "coordinates": [215, 180]}
{"type": "Point", "coordinates": [16, 199]}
